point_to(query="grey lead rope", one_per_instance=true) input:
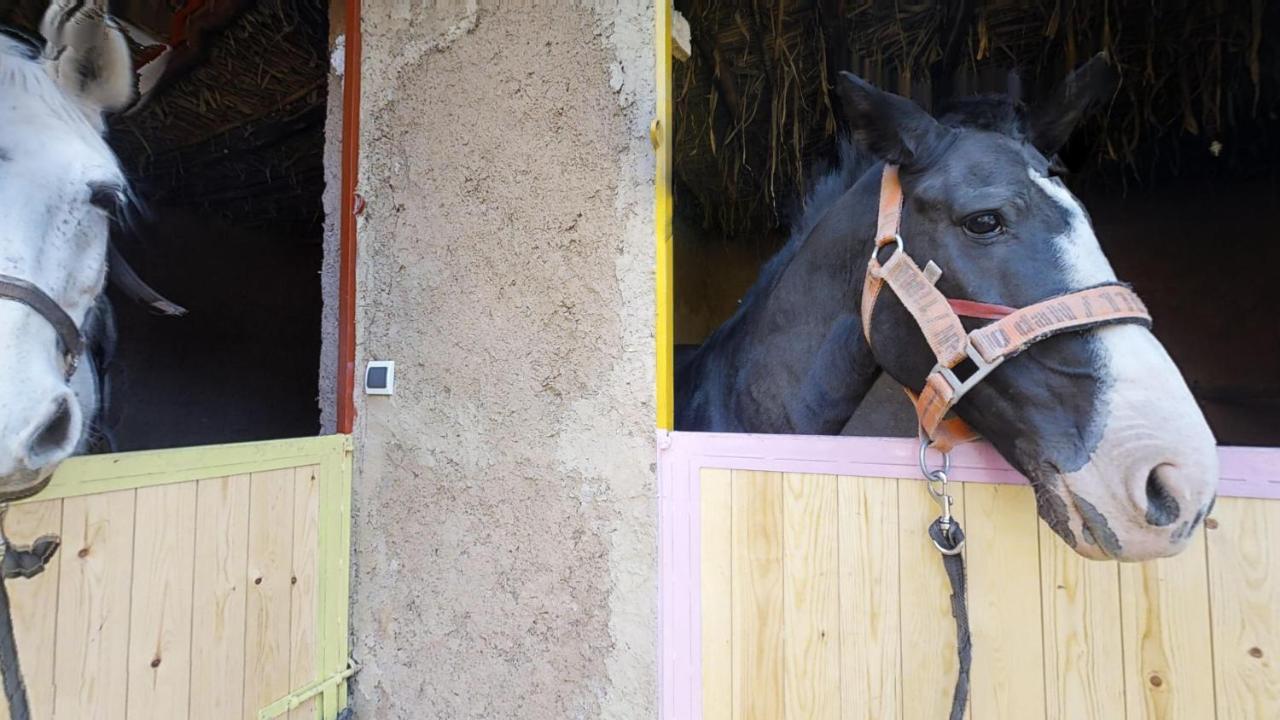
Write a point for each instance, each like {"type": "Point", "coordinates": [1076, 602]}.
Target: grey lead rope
{"type": "Point", "coordinates": [17, 562]}
{"type": "Point", "coordinates": [15, 690]}
{"type": "Point", "coordinates": [953, 562]}
{"type": "Point", "coordinates": [948, 538]}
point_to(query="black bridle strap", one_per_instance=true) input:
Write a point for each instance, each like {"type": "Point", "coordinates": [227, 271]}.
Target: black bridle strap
{"type": "Point", "coordinates": [69, 336]}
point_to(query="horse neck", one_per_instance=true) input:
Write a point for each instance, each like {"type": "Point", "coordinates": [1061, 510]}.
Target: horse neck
{"type": "Point", "coordinates": [813, 365]}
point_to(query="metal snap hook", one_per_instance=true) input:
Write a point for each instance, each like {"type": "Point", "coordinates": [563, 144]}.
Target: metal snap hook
{"type": "Point", "coordinates": [936, 481]}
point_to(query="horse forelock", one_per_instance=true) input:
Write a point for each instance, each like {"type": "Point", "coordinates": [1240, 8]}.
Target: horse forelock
{"type": "Point", "coordinates": [18, 42]}
{"type": "Point", "coordinates": [22, 72]}
{"type": "Point", "coordinates": [992, 113]}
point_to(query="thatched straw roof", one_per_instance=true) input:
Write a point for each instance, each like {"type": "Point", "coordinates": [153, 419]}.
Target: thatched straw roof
{"type": "Point", "coordinates": [237, 130]}
{"type": "Point", "coordinates": [754, 109]}
{"type": "Point", "coordinates": [241, 134]}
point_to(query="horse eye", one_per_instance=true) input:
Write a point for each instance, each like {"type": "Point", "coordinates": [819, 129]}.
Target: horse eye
{"type": "Point", "coordinates": [983, 224]}
{"type": "Point", "coordinates": [107, 197]}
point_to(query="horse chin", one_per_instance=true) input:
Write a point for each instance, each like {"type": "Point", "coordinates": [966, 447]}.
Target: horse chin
{"type": "Point", "coordinates": [1088, 532]}
{"type": "Point", "coordinates": [1094, 511]}
{"type": "Point", "coordinates": [22, 483]}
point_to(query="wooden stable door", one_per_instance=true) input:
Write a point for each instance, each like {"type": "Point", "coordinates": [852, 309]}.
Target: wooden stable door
{"type": "Point", "coordinates": [196, 598]}
{"type": "Point", "coordinates": [822, 597]}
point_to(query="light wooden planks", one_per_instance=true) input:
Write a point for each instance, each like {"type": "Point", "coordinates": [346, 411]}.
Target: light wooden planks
{"type": "Point", "coordinates": [757, 596]}
{"type": "Point", "coordinates": [160, 602]}
{"type": "Point", "coordinates": [1168, 652]}
{"type": "Point", "coordinates": [218, 607]}
{"type": "Point", "coordinates": [1003, 563]}
{"type": "Point", "coordinates": [143, 613]}
{"type": "Point", "coordinates": [1082, 635]}
{"type": "Point", "coordinates": [1056, 636]}
{"type": "Point", "coordinates": [870, 651]}
{"type": "Point", "coordinates": [304, 604]}
{"type": "Point", "coordinates": [34, 605]}
{"type": "Point", "coordinates": [1244, 578]}
{"type": "Point", "coordinates": [266, 669]}
{"type": "Point", "coordinates": [811, 597]}
{"type": "Point", "coordinates": [96, 564]}
{"type": "Point", "coordinates": [929, 661]}
{"type": "Point", "coordinates": [716, 509]}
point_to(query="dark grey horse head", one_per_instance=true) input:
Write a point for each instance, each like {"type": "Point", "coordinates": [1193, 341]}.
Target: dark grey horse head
{"type": "Point", "coordinates": [1123, 462]}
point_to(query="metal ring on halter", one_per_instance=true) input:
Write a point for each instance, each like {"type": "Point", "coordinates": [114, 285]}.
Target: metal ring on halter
{"type": "Point", "coordinates": [875, 250]}
{"type": "Point", "coordinates": [924, 457]}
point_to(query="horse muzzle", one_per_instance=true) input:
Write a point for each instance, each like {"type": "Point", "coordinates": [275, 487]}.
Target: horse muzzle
{"type": "Point", "coordinates": [47, 437]}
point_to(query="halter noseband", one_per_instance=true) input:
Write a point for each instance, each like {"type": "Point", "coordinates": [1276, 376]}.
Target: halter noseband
{"type": "Point", "coordinates": [987, 347]}
{"type": "Point", "coordinates": [69, 336]}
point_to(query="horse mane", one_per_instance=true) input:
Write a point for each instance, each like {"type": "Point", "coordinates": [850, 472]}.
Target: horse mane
{"type": "Point", "coordinates": [830, 182]}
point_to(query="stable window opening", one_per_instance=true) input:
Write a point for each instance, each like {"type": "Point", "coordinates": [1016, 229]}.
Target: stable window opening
{"type": "Point", "coordinates": [1178, 170]}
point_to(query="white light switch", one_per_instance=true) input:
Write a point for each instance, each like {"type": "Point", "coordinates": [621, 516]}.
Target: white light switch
{"type": "Point", "coordinates": [380, 377]}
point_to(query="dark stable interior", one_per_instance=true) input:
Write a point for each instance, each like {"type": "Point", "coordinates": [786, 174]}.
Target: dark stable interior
{"type": "Point", "coordinates": [226, 160]}
{"type": "Point", "coordinates": [1190, 219]}
{"type": "Point", "coordinates": [229, 170]}
{"type": "Point", "coordinates": [242, 364]}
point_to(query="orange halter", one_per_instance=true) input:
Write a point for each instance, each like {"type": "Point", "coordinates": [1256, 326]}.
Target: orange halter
{"type": "Point", "coordinates": [1013, 331]}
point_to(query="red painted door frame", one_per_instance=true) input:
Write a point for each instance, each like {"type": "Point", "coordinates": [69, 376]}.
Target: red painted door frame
{"type": "Point", "coordinates": [350, 208]}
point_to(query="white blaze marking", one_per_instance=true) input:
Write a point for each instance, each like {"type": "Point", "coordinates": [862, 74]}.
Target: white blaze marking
{"type": "Point", "coordinates": [1078, 247]}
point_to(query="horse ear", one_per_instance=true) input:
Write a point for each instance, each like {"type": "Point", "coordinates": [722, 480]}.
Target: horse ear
{"type": "Point", "coordinates": [1053, 120]}
{"type": "Point", "coordinates": [896, 129]}
{"type": "Point", "coordinates": [86, 54]}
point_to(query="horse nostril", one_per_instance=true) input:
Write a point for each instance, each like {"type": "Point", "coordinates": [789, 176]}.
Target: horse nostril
{"type": "Point", "coordinates": [53, 435]}
{"type": "Point", "coordinates": [1162, 507]}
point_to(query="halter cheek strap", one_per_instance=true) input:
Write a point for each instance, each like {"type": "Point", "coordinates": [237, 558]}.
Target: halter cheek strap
{"type": "Point", "coordinates": [69, 336]}
{"type": "Point", "coordinates": [987, 347]}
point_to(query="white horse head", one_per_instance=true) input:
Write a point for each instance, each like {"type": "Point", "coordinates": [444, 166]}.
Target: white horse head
{"type": "Point", "coordinates": [59, 185]}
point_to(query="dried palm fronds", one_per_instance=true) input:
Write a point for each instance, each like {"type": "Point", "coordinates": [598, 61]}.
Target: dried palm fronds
{"type": "Point", "coordinates": [754, 108]}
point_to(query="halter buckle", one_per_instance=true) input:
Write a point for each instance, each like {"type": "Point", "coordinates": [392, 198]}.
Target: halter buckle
{"type": "Point", "coordinates": [983, 368]}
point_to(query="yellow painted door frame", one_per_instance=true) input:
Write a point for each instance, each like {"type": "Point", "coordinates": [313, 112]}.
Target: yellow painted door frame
{"type": "Point", "coordinates": [661, 135]}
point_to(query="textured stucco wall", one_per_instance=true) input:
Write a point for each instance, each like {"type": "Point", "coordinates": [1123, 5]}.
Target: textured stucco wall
{"type": "Point", "coordinates": [505, 504]}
